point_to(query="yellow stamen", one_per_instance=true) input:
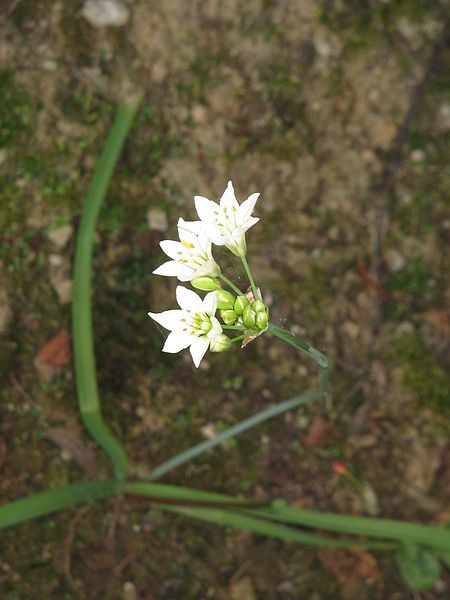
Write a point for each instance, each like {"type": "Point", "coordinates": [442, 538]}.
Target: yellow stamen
{"type": "Point", "coordinates": [187, 244]}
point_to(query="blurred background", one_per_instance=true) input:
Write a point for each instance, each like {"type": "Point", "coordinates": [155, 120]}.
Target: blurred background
{"type": "Point", "coordinates": [338, 112]}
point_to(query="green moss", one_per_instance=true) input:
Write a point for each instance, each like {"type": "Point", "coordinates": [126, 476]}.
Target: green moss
{"type": "Point", "coordinates": [423, 376]}
{"type": "Point", "coordinates": [15, 108]}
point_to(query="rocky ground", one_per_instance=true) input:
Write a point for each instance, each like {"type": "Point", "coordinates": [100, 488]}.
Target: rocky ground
{"type": "Point", "coordinates": [338, 112]}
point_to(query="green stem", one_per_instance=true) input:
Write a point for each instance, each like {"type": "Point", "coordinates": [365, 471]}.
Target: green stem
{"type": "Point", "coordinates": [320, 359]}
{"type": "Point", "coordinates": [237, 520]}
{"type": "Point", "coordinates": [388, 529]}
{"type": "Point", "coordinates": [230, 284]}
{"type": "Point", "coordinates": [227, 510]}
{"type": "Point", "coordinates": [435, 537]}
{"type": "Point", "coordinates": [300, 344]}
{"type": "Point", "coordinates": [238, 338]}
{"type": "Point", "coordinates": [234, 327]}
{"type": "Point", "coordinates": [44, 503]}
{"type": "Point", "coordinates": [264, 415]}
{"type": "Point", "coordinates": [250, 277]}
{"type": "Point", "coordinates": [83, 342]}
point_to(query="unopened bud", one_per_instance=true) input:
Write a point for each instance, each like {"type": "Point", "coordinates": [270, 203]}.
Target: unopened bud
{"type": "Point", "coordinates": [220, 343]}
{"type": "Point", "coordinates": [206, 284]}
{"type": "Point", "coordinates": [225, 300]}
{"type": "Point", "coordinates": [239, 305]}
{"type": "Point", "coordinates": [258, 306]}
{"type": "Point", "coordinates": [261, 320]}
{"type": "Point", "coordinates": [249, 317]}
{"type": "Point", "coordinates": [228, 316]}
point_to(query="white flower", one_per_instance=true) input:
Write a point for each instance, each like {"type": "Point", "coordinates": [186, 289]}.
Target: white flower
{"type": "Point", "coordinates": [194, 326]}
{"type": "Point", "coordinates": [191, 256]}
{"type": "Point", "coordinates": [226, 223]}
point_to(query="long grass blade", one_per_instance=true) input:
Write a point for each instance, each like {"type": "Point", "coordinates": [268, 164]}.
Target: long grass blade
{"type": "Point", "coordinates": [44, 503]}
{"type": "Point", "coordinates": [231, 432]}
{"type": "Point", "coordinates": [387, 529]}
{"type": "Point", "coordinates": [231, 518]}
{"type": "Point", "coordinates": [83, 342]}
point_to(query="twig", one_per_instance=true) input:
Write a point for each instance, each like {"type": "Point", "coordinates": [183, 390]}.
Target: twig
{"type": "Point", "coordinates": [68, 543]}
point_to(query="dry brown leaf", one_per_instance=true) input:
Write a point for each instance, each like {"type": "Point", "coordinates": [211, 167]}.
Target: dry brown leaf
{"type": "Point", "coordinates": [440, 319]}
{"type": "Point", "coordinates": [350, 565]}
{"type": "Point", "coordinates": [71, 443]}
{"type": "Point", "coordinates": [56, 352]}
{"type": "Point", "coordinates": [317, 432]}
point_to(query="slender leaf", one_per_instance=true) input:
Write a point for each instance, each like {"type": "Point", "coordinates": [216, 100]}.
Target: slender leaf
{"type": "Point", "coordinates": [44, 503]}
{"type": "Point", "coordinates": [234, 431]}
{"type": "Point", "coordinates": [231, 518]}
{"type": "Point", "coordinates": [83, 342]}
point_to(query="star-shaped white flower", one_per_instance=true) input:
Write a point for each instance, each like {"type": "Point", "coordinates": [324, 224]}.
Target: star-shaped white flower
{"type": "Point", "coordinates": [193, 327]}
{"type": "Point", "coordinates": [191, 256]}
{"type": "Point", "coordinates": [226, 223]}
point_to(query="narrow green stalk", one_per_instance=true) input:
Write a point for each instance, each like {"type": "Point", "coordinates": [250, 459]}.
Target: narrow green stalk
{"type": "Point", "coordinates": [235, 430]}
{"type": "Point", "coordinates": [388, 529]}
{"type": "Point", "coordinates": [234, 327]}
{"type": "Point", "coordinates": [230, 284]}
{"type": "Point", "coordinates": [424, 535]}
{"type": "Point", "coordinates": [250, 277]}
{"type": "Point", "coordinates": [228, 510]}
{"type": "Point", "coordinates": [301, 345]}
{"type": "Point", "coordinates": [44, 503]}
{"type": "Point", "coordinates": [232, 518]}
{"type": "Point", "coordinates": [239, 338]}
{"type": "Point", "coordinates": [83, 343]}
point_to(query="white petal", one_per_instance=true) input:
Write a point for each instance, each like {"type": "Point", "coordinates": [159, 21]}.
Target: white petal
{"type": "Point", "coordinates": [214, 234]}
{"type": "Point", "coordinates": [185, 234]}
{"type": "Point", "coordinates": [210, 303]}
{"type": "Point", "coordinates": [205, 208]}
{"type": "Point", "coordinates": [187, 275]}
{"type": "Point", "coordinates": [172, 268]}
{"type": "Point", "coordinates": [246, 209]}
{"type": "Point", "coordinates": [170, 319]}
{"type": "Point", "coordinates": [204, 243]}
{"type": "Point", "coordinates": [209, 268]}
{"type": "Point", "coordinates": [250, 222]}
{"type": "Point", "coordinates": [177, 341]}
{"type": "Point", "coordinates": [198, 349]}
{"type": "Point", "coordinates": [216, 328]}
{"type": "Point", "coordinates": [191, 226]}
{"type": "Point", "coordinates": [188, 300]}
{"type": "Point", "coordinates": [228, 199]}
{"type": "Point", "coordinates": [172, 249]}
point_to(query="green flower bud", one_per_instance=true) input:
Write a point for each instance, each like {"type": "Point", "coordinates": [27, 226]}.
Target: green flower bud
{"type": "Point", "coordinates": [220, 343]}
{"type": "Point", "coordinates": [206, 284]}
{"type": "Point", "coordinates": [225, 300]}
{"type": "Point", "coordinates": [261, 320]}
{"type": "Point", "coordinates": [249, 317]}
{"type": "Point", "coordinates": [228, 317]}
{"type": "Point", "coordinates": [259, 306]}
{"type": "Point", "coordinates": [239, 305]}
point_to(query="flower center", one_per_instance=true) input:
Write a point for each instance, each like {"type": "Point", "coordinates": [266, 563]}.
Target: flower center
{"type": "Point", "coordinates": [197, 324]}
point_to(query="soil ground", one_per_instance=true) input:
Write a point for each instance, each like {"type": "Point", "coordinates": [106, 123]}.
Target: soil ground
{"type": "Point", "coordinates": [338, 112]}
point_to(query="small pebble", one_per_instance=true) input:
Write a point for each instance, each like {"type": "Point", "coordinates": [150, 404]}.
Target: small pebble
{"type": "Point", "coordinates": [417, 155]}
{"type": "Point", "coordinates": [104, 13]}
{"type": "Point", "coordinates": [60, 236]}
{"type": "Point", "coordinates": [157, 219]}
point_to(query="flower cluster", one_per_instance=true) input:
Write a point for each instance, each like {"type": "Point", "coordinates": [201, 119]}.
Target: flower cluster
{"type": "Point", "coordinates": [195, 325]}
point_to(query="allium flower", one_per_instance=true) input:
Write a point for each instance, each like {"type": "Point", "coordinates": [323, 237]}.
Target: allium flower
{"type": "Point", "coordinates": [191, 256]}
{"type": "Point", "coordinates": [226, 223]}
{"type": "Point", "coordinates": [194, 326]}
